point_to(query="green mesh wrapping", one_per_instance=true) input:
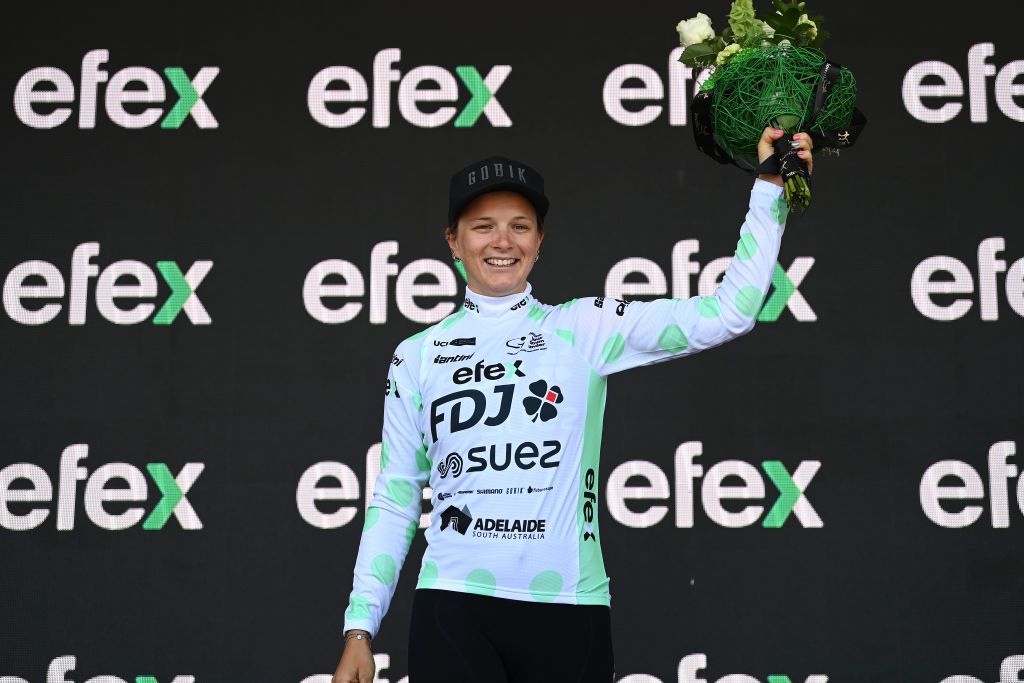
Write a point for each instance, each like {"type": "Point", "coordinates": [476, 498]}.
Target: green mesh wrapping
{"type": "Point", "coordinates": [772, 86]}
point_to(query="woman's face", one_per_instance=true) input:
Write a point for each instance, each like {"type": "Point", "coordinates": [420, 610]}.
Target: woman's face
{"type": "Point", "coordinates": [498, 239]}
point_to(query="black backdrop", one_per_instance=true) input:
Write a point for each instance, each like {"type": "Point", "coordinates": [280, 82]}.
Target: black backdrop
{"type": "Point", "coordinates": [873, 389]}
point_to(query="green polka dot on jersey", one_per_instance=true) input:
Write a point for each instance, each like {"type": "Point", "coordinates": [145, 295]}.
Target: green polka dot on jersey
{"type": "Point", "coordinates": [451, 320]}
{"type": "Point", "coordinates": [748, 301]}
{"type": "Point", "coordinates": [780, 209]}
{"type": "Point", "coordinates": [546, 586]}
{"type": "Point", "coordinates": [461, 269]}
{"type": "Point", "coordinates": [385, 454]}
{"type": "Point", "coordinates": [672, 339]}
{"type": "Point", "coordinates": [536, 312]}
{"type": "Point", "coordinates": [481, 582]}
{"type": "Point", "coordinates": [372, 515]}
{"type": "Point", "coordinates": [422, 461]}
{"type": "Point", "coordinates": [428, 574]}
{"type": "Point", "coordinates": [613, 348]}
{"type": "Point", "coordinates": [708, 307]}
{"type": "Point", "coordinates": [410, 531]}
{"type": "Point", "coordinates": [384, 569]}
{"type": "Point", "coordinates": [567, 335]}
{"type": "Point", "coordinates": [358, 608]}
{"type": "Point", "coordinates": [417, 401]}
{"type": "Point", "coordinates": [400, 491]}
{"type": "Point", "coordinates": [747, 246]}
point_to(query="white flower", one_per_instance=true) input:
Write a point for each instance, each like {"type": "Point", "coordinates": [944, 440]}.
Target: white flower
{"type": "Point", "coordinates": [726, 53]}
{"type": "Point", "coordinates": [695, 30]}
{"type": "Point", "coordinates": [814, 27]}
{"type": "Point", "coordinates": [768, 30]}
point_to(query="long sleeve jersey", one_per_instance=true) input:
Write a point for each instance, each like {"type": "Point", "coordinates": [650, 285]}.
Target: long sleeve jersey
{"type": "Point", "coordinates": [499, 408]}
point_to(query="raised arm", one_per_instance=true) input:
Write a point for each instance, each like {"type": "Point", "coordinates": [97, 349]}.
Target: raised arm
{"type": "Point", "coordinates": [615, 336]}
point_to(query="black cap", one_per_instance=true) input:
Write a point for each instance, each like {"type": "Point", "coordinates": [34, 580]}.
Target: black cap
{"type": "Point", "coordinates": [492, 175]}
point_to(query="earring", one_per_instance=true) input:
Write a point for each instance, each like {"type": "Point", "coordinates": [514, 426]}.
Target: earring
{"type": "Point", "coordinates": [456, 258]}
{"type": "Point", "coordinates": [537, 257]}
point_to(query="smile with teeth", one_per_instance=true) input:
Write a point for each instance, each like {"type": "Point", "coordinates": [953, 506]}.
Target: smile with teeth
{"type": "Point", "coordinates": [500, 261]}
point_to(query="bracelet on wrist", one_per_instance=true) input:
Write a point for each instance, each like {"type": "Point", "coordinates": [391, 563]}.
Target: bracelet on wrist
{"type": "Point", "coordinates": [359, 636]}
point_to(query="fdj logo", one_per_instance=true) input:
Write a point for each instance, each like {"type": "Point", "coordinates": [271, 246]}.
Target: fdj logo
{"type": "Point", "coordinates": [24, 516]}
{"type": "Point", "coordinates": [120, 280]}
{"type": "Point", "coordinates": [133, 86]}
{"type": "Point", "coordinates": [422, 84]}
{"type": "Point", "coordinates": [729, 480]}
{"type": "Point", "coordinates": [60, 667]}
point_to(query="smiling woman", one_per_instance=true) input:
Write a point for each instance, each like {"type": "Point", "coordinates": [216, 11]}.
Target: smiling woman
{"type": "Point", "coordinates": [507, 433]}
{"type": "Point", "coordinates": [497, 238]}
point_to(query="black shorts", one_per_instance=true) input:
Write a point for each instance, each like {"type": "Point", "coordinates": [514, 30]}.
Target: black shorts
{"type": "Point", "coordinates": [465, 638]}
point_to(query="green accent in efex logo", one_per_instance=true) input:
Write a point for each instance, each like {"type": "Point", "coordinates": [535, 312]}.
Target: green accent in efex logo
{"type": "Point", "coordinates": [187, 97]}
{"type": "Point", "coordinates": [180, 292]}
{"type": "Point", "coordinates": [784, 289]}
{"type": "Point", "coordinates": [481, 96]}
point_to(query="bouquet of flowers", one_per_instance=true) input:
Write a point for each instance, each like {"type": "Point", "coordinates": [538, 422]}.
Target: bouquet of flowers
{"type": "Point", "coordinates": [769, 72]}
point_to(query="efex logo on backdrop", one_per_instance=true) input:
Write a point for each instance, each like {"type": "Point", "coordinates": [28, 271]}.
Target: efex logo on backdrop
{"type": "Point", "coordinates": [335, 93]}
{"type": "Point", "coordinates": [22, 508]}
{"type": "Point", "coordinates": [946, 96]}
{"type": "Point", "coordinates": [956, 480]}
{"type": "Point", "coordinates": [691, 665]}
{"type": "Point", "coordinates": [121, 280]}
{"type": "Point", "coordinates": [621, 282]}
{"type": "Point", "coordinates": [133, 86]}
{"type": "Point", "coordinates": [958, 279]}
{"type": "Point", "coordinates": [728, 480]}
{"type": "Point", "coordinates": [60, 667]}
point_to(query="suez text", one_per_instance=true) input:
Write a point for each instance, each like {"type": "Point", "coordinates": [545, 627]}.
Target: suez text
{"type": "Point", "coordinates": [122, 281]}
{"type": "Point", "coordinates": [133, 86]}
{"type": "Point", "coordinates": [60, 667]}
{"type": "Point", "coordinates": [334, 290]}
{"type": "Point", "coordinates": [622, 492]}
{"type": "Point", "coordinates": [335, 93]}
{"type": "Point", "coordinates": [924, 286]}
{"type": "Point", "coordinates": [946, 96]}
{"type": "Point", "coordinates": [956, 480]}
{"type": "Point", "coordinates": [23, 508]}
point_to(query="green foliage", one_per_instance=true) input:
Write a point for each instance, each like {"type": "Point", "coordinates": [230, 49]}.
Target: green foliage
{"type": "Point", "coordinates": [745, 29]}
{"type": "Point", "coordinates": [742, 20]}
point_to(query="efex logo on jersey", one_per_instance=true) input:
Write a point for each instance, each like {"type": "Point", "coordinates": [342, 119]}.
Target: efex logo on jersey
{"type": "Point", "coordinates": [422, 84]}
{"type": "Point", "coordinates": [121, 280]}
{"type": "Point", "coordinates": [26, 516]}
{"type": "Point", "coordinates": [146, 87]}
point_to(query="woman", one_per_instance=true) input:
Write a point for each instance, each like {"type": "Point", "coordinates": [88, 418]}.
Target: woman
{"type": "Point", "coordinates": [499, 408]}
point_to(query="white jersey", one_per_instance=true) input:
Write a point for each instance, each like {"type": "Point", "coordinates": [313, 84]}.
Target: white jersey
{"type": "Point", "coordinates": [499, 409]}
